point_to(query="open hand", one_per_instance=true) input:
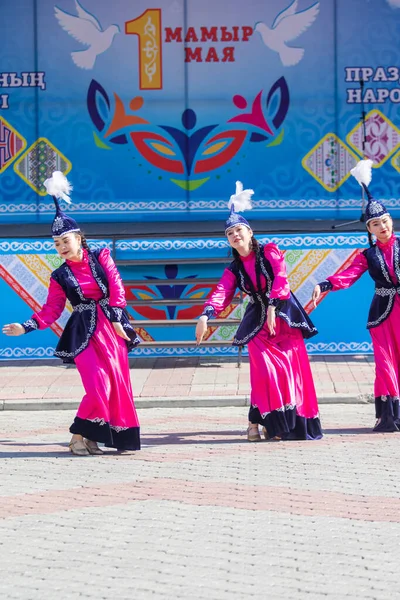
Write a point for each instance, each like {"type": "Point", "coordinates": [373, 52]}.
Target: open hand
{"type": "Point", "coordinates": [201, 329]}
{"type": "Point", "coordinates": [13, 329]}
{"type": "Point", "coordinates": [119, 330]}
{"type": "Point", "coordinates": [316, 295]}
{"type": "Point", "coordinates": [271, 320]}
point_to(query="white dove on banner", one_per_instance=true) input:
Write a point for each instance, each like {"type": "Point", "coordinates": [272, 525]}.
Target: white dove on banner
{"type": "Point", "coordinates": [87, 30]}
{"type": "Point", "coordinates": [288, 25]}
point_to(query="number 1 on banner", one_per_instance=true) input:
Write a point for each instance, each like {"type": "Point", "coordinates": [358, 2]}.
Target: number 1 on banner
{"type": "Point", "coordinates": [148, 28]}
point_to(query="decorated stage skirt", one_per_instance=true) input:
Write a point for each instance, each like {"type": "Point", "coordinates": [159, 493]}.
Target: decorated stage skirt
{"type": "Point", "coordinates": [283, 397]}
{"type": "Point", "coordinates": [107, 412]}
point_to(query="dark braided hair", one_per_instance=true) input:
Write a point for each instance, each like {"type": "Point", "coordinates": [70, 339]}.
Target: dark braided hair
{"type": "Point", "coordinates": [370, 240]}
{"type": "Point", "coordinates": [255, 247]}
{"type": "Point", "coordinates": [84, 243]}
{"type": "Point", "coordinates": [83, 240]}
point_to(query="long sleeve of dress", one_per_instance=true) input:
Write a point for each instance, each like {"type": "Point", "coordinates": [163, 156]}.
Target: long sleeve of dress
{"type": "Point", "coordinates": [116, 288]}
{"type": "Point", "coordinates": [346, 278]}
{"type": "Point", "coordinates": [222, 295]}
{"type": "Point", "coordinates": [280, 287]}
{"type": "Point", "coordinates": [50, 311]}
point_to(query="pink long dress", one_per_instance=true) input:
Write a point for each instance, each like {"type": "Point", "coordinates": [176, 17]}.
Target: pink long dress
{"type": "Point", "coordinates": [107, 411]}
{"type": "Point", "coordinates": [385, 341]}
{"type": "Point", "coordinates": [283, 397]}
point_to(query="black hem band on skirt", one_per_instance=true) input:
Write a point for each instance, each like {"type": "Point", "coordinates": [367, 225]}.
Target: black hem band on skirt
{"type": "Point", "coordinates": [287, 424]}
{"type": "Point", "coordinates": [126, 439]}
{"type": "Point", "coordinates": [388, 411]}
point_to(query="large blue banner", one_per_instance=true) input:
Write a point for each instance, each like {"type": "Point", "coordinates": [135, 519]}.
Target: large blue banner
{"type": "Point", "coordinates": [153, 111]}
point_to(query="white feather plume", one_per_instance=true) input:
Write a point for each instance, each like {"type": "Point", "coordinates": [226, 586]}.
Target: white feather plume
{"type": "Point", "coordinates": [241, 200]}
{"type": "Point", "coordinates": [363, 172]}
{"type": "Point", "coordinates": [59, 186]}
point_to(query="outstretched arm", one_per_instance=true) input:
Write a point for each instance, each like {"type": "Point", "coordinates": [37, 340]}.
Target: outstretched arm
{"type": "Point", "coordinates": [343, 280]}
{"type": "Point", "coordinates": [49, 313]}
{"type": "Point", "coordinates": [220, 298]}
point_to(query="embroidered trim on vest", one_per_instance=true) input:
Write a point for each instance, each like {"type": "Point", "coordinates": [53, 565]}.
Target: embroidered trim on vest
{"type": "Point", "coordinates": [383, 265]}
{"type": "Point", "coordinates": [83, 306]}
{"type": "Point", "coordinates": [96, 276]}
{"type": "Point", "coordinates": [84, 345]}
{"type": "Point", "coordinates": [385, 314]}
{"type": "Point", "coordinates": [266, 275]}
{"type": "Point", "coordinates": [268, 279]}
{"type": "Point", "coordinates": [242, 285]}
{"type": "Point", "coordinates": [292, 324]}
{"type": "Point", "coordinates": [396, 261]}
{"type": "Point", "coordinates": [117, 311]}
{"type": "Point", "coordinates": [385, 292]}
{"type": "Point", "coordinates": [257, 328]}
{"type": "Point", "coordinates": [77, 287]}
{"type": "Point", "coordinates": [105, 306]}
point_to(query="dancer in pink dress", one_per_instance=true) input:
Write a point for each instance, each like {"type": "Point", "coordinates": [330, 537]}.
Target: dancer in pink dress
{"type": "Point", "coordinates": [97, 335]}
{"type": "Point", "coordinates": [274, 326]}
{"type": "Point", "coordinates": [382, 261]}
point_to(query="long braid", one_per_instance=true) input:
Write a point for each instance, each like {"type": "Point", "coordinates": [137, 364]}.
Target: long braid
{"type": "Point", "coordinates": [370, 240]}
{"type": "Point", "coordinates": [84, 241]}
{"type": "Point", "coordinates": [257, 249]}
{"type": "Point", "coordinates": [254, 245]}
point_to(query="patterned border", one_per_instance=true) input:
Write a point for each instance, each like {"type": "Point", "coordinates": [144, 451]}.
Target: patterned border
{"type": "Point", "coordinates": [23, 353]}
{"type": "Point", "coordinates": [22, 149]}
{"type": "Point", "coordinates": [312, 349]}
{"type": "Point", "coordinates": [321, 142]}
{"type": "Point", "coordinates": [350, 240]}
{"type": "Point", "coordinates": [358, 126]}
{"type": "Point", "coordinates": [28, 151]}
{"type": "Point", "coordinates": [112, 208]}
{"type": "Point", "coordinates": [298, 241]}
{"type": "Point", "coordinates": [339, 348]}
{"type": "Point", "coordinates": [35, 246]}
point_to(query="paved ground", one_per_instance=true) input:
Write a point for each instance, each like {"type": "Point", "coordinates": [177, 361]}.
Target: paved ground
{"type": "Point", "coordinates": [200, 513]}
{"type": "Point", "coordinates": [179, 382]}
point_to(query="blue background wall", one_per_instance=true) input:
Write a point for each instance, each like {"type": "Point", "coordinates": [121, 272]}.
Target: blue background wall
{"type": "Point", "coordinates": [134, 152]}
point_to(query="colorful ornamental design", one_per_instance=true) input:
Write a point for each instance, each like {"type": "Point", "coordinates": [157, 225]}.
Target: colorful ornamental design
{"type": "Point", "coordinates": [382, 138]}
{"type": "Point", "coordinates": [329, 162]}
{"type": "Point", "coordinates": [188, 152]}
{"type": "Point", "coordinates": [39, 162]}
{"type": "Point", "coordinates": [11, 144]}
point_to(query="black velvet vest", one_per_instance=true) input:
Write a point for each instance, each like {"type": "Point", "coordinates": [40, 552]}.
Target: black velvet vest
{"type": "Point", "coordinates": [256, 312]}
{"type": "Point", "coordinates": [82, 323]}
{"type": "Point", "coordinates": [385, 289]}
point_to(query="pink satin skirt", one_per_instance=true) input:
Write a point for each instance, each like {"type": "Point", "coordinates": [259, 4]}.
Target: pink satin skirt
{"type": "Point", "coordinates": [107, 411]}
{"type": "Point", "coordinates": [280, 372]}
{"type": "Point", "coordinates": [386, 345]}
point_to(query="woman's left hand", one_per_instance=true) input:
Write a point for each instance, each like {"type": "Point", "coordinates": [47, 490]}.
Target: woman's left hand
{"type": "Point", "coordinates": [119, 330]}
{"type": "Point", "coordinates": [271, 320]}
